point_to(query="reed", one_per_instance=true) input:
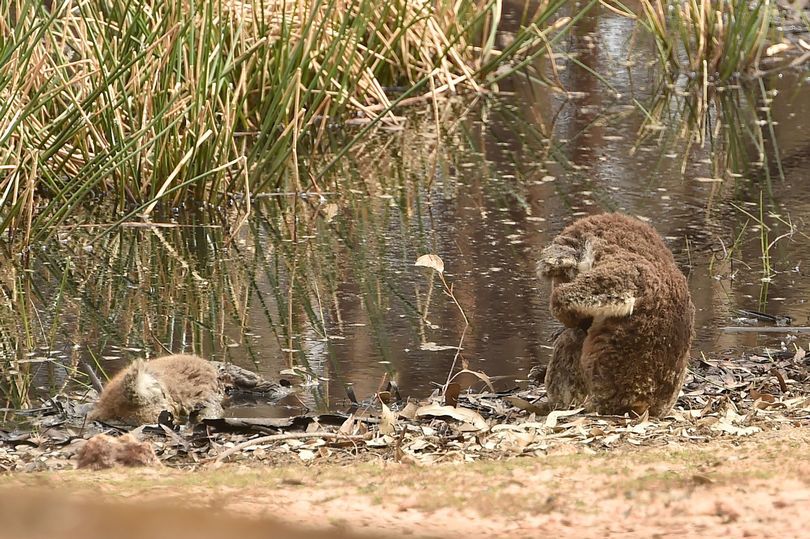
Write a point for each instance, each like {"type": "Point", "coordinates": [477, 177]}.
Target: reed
{"type": "Point", "coordinates": [714, 41]}
{"type": "Point", "coordinates": [732, 123]}
{"type": "Point", "coordinates": [271, 296]}
{"type": "Point", "coordinates": [146, 102]}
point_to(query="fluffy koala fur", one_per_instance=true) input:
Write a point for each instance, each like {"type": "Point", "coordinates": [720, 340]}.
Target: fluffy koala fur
{"type": "Point", "coordinates": [102, 451]}
{"type": "Point", "coordinates": [627, 313]}
{"type": "Point", "coordinates": [181, 384]}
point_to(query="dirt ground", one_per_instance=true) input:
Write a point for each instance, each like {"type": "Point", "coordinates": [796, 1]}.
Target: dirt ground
{"type": "Point", "coordinates": [757, 486]}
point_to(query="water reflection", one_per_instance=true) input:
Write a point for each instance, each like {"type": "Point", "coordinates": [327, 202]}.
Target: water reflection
{"type": "Point", "coordinates": [326, 284]}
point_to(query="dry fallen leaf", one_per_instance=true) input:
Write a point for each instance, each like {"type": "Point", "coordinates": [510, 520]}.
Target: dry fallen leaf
{"type": "Point", "coordinates": [765, 397]}
{"type": "Point", "coordinates": [420, 444]}
{"type": "Point", "coordinates": [380, 441]}
{"type": "Point", "coordinates": [551, 420]}
{"type": "Point", "coordinates": [430, 261]}
{"type": "Point", "coordinates": [478, 374]}
{"type": "Point", "coordinates": [461, 414]}
{"type": "Point", "coordinates": [523, 404]}
{"type": "Point", "coordinates": [388, 420]}
{"type": "Point", "coordinates": [451, 393]}
{"type": "Point", "coordinates": [781, 379]}
{"type": "Point", "coordinates": [732, 422]}
{"type": "Point", "coordinates": [516, 442]}
{"type": "Point", "coordinates": [348, 426]}
{"type": "Point", "coordinates": [610, 438]}
{"type": "Point", "coordinates": [409, 412]}
{"type": "Point", "coordinates": [775, 49]}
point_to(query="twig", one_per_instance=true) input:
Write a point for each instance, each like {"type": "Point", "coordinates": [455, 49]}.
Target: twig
{"type": "Point", "coordinates": [780, 378]}
{"type": "Point", "coordinates": [765, 329]}
{"type": "Point", "coordinates": [449, 291]}
{"type": "Point", "coordinates": [289, 436]}
{"type": "Point", "coordinates": [91, 374]}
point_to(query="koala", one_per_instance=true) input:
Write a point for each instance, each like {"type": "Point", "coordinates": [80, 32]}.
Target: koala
{"type": "Point", "coordinates": [627, 314]}
{"type": "Point", "coordinates": [181, 384]}
{"type": "Point", "coordinates": [102, 451]}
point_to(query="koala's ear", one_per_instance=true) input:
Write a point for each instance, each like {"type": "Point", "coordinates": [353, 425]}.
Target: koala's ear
{"type": "Point", "coordinates": [130, 380]}
{"type": "Point", "coordinates": [139, 384]}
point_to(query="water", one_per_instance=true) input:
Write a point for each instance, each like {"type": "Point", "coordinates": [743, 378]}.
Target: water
{"type": "Point", "coordinates": [327, 283]}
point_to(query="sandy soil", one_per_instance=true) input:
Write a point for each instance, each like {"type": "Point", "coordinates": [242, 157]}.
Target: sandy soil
{"type": "Point", "coordinates": [757, 486]}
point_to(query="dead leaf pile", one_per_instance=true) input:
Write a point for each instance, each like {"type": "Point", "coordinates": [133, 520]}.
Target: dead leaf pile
{"type": "Point", "coordinates": [722, 397]}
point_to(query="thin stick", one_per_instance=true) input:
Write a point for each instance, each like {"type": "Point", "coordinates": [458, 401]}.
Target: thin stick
{"type": "Point", "coordinates": [765, 329]}
{"type": "Point", "coordinates": [449, 291]}
{"type": "Point", "coordinates": [289, 436]}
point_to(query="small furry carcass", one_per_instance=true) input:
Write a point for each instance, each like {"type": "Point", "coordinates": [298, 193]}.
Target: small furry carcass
{"type": "Point", "coordinates": [102, 451]}
{"type": "Point", "coordinates": [184, 385]}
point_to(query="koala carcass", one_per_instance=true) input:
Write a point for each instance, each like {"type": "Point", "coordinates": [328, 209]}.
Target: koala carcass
{"type": "Point", "coordinates": [181, 384]}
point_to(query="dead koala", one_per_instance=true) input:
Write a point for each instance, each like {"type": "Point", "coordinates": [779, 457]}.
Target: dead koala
{"type": "Point", "coordinates": [102, 451]}
{"type": "Point", "coordinates": [627, 314]}
{"type": "Point", "coordinates": [182, 384]}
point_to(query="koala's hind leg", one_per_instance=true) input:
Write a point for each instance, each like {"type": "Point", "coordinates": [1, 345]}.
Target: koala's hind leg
{"type": "Point", "coordinates": [669, 388]}
{"type": "Point", "coordinates": [565, 383]}
{"type": "Point", "coordinates": [619, 375]}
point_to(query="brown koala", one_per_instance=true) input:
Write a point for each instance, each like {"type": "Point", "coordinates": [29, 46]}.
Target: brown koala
{"type": "Point", "coordinates": [627, 313]}
{"type": "Point", "coordinates": [181, 384]}
{"type": "Point", "coordinates": [102, 451]}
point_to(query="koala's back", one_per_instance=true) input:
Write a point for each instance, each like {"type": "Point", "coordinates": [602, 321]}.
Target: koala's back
{"type": "Point", "coordinates": [189, 380]}
{"type": "Point", "coordinates": [619, 232]}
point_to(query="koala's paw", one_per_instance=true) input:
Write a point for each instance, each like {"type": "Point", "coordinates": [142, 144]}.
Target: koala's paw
{"type": "Point", "coordinates": [564, 259]}
{"type": "Point", "coordinates": [558, 261]}
{"type": "Point", "coordinates": [603, 305]}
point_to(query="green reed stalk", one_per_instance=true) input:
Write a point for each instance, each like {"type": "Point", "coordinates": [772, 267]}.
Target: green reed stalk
{"type": "Point", "coordinates": [134, 98]}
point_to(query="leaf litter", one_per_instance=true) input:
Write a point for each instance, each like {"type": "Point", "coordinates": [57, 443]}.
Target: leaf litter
{"type": "Point", "coordinates": [722, 397]}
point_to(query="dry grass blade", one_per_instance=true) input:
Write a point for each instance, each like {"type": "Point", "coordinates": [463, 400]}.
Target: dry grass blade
{"type": "Point", "coordinates": [152, 100]}
{"type": "Point", "coordinates": [710, 41]}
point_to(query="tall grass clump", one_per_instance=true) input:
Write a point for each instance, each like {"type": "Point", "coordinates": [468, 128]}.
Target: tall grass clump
{"type": "Point", "coordinates": [713, 41]}
{"type": "Point", "coordinates": [144, 100]}
{"type": "Point", "coordinates": [719, 39]}
{"type": "Point", "coordinates": [709, 52]}
{"type": "Point", "coordinates": [16, 331]}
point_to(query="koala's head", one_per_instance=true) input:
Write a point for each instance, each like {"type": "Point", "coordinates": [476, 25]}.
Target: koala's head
{"type": "Point", "coordinates": [565, 258]}
{"type": "Point", "coordinates": [142, 387]}
{"type": "Point", "coordinates": [145, 395]}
